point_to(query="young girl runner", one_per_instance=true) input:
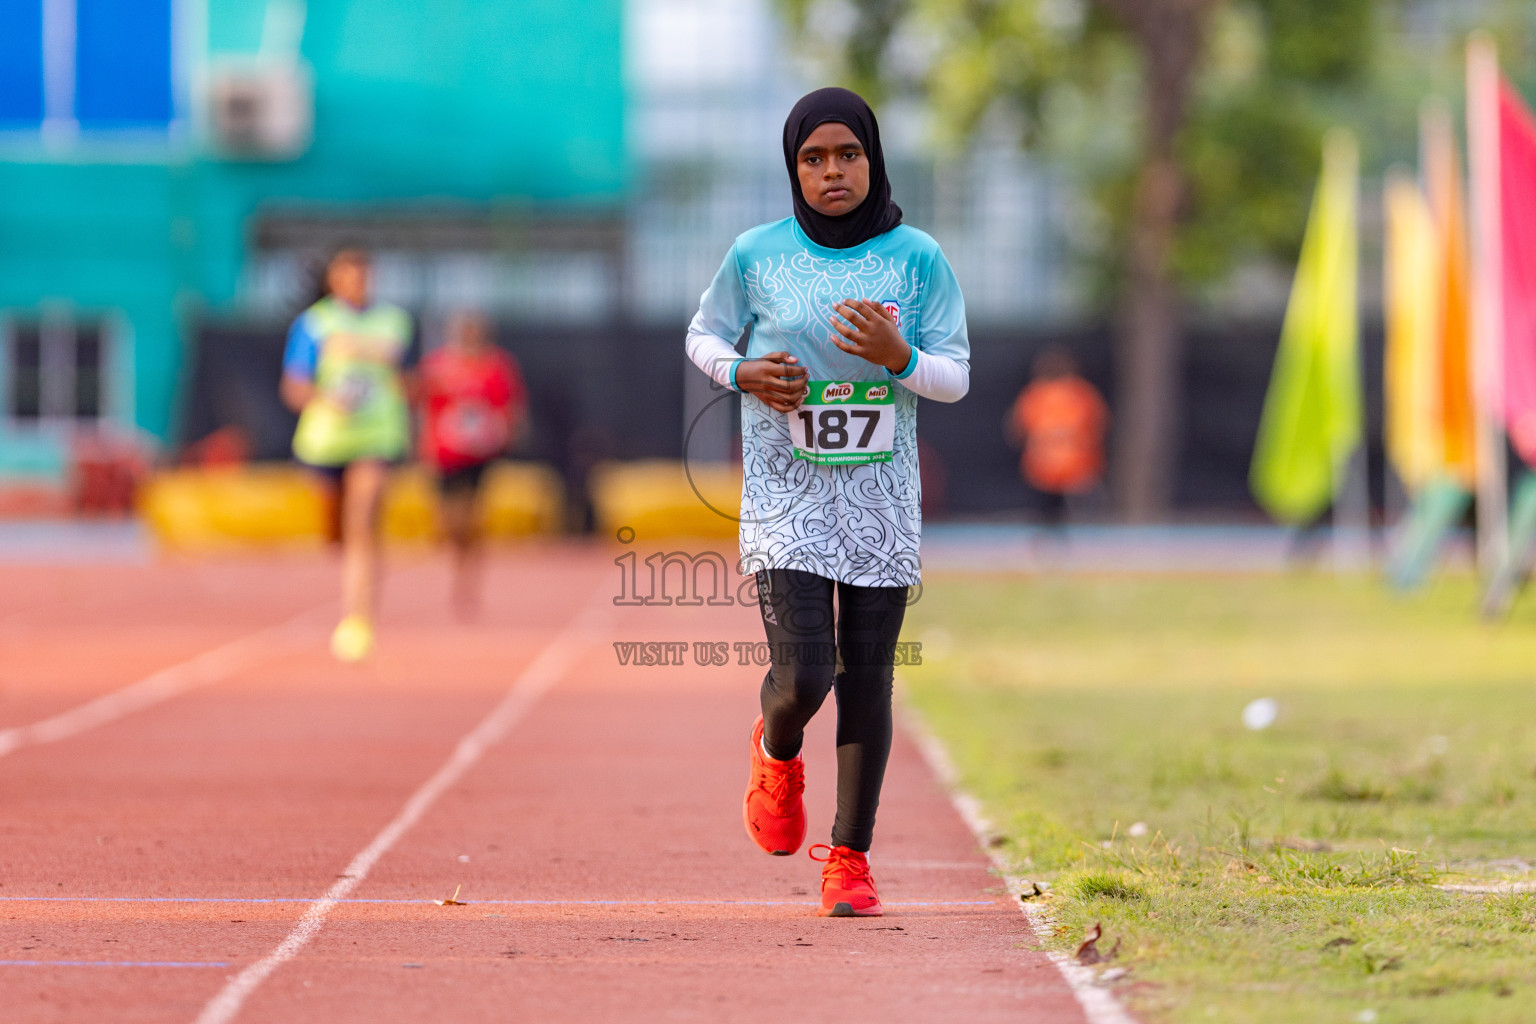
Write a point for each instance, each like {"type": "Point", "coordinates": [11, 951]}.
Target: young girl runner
{"type": "Point", "coordinates": [473, 407]}
{"type": "Point", "coordinates": [853, 316]}
{"type": "Point", "coordinates": [342, 372]}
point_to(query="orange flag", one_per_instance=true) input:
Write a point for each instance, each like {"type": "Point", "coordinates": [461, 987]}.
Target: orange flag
{"type": "Point", "coordinates": [1447, 201]}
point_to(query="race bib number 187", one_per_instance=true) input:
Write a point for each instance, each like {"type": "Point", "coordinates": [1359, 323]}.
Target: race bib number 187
{"type": "Point", "coordinates": [845, 422]}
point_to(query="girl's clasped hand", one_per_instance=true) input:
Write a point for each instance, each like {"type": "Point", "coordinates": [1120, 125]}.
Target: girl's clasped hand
{"type": "Point", "coordinates": [777, 378]}
{"type": "Point", "coordinates": [867, 330]}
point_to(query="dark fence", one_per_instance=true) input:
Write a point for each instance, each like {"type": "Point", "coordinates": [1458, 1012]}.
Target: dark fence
{"type": "Point", "coordinates": [1226, 372]}
{"type": "Point", "coordinates": [618, 393]}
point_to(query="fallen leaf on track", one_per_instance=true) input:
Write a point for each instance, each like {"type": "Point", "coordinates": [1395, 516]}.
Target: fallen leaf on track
{"type": "Point", "coordinates": [1089, 954]}
{"type": "Point", "coordinates": [452, 901]}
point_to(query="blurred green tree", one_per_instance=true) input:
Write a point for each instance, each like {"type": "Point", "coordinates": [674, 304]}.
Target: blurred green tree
{"type": "Point", "coordinates": [1194, 125]}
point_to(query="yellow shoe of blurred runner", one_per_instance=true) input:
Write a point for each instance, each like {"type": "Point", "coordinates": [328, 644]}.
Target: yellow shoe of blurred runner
{"type": "Point", "coordinates": [353, 639]}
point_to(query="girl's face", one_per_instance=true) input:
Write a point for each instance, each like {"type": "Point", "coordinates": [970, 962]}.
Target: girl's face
{"type": "Point", "coordinates": [833, 169]}
{"type": "Point", "coordinates": [348, 278]}
{"type": "Point", "coordinates": [469, 333]}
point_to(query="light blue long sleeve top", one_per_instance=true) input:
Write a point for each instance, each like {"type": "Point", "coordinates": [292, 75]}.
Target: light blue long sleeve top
{"type": "Point", "coordinates": [858, 524]}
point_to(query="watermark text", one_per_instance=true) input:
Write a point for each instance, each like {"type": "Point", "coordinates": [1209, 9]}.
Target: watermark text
{"type": "Point", "coordinates": [706, 653]}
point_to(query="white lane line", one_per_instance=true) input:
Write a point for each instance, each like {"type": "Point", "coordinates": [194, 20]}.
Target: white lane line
{"type": "Point", "coordinates": [532, 683]}
{"type": "Point", "coordinates": [202, 670]}
{"type": "Point", "coordinates": [1098, 1003]}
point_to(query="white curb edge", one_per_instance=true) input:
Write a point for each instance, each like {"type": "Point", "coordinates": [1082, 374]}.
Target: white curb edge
{"type": "Point", "coordinates": [1098, 1003]}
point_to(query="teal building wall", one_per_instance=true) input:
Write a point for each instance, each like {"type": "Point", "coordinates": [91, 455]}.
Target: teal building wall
{"type": "Point", "coordinates": [474, 101]}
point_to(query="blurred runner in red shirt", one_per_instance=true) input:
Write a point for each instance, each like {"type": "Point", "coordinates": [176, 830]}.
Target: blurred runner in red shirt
{"type": "Point", "coordinates": [1060, 420]}
{"type": "Point", "coordinates": [473, 408]}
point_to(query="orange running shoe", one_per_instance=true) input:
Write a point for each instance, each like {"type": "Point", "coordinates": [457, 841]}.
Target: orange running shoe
{"type": "Point", "coordinates": [773, 810]}
{"type": "Point", "coordinates": [847, 890]}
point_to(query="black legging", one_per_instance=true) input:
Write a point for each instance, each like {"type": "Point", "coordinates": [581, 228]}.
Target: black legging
{"type": "Point", "coordinates": [798, 617]}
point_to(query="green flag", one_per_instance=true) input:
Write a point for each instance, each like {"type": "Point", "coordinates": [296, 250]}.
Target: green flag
{"type": "Point", "coordinates": [1312, 414]}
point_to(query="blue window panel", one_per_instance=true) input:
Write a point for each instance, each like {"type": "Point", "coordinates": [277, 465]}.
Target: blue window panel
{"type": "Point", "coordinates": [123, 63]}
{"type": "Point", "coordinates": [21, 63]}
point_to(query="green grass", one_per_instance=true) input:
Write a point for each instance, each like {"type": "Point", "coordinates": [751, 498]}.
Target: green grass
{"type": "Point", "coordinates": [1285, 875]}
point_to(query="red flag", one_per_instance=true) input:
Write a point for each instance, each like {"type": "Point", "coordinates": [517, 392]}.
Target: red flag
{"type": "Point", "coordinates": [1517, 196]}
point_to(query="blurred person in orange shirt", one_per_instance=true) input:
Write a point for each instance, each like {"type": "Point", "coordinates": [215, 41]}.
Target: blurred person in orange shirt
{"type": "Point", "coordinates": [474, 406]}
{"type": "Point", "coordinates": [1059, 420]}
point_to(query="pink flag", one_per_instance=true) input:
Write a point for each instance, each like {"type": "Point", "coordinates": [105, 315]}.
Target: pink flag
{"type": "Point", "coordinates": [1517, 194]}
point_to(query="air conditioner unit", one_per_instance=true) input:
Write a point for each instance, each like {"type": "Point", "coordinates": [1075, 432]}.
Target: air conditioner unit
{"type": "Point", "coordinates": [261, 109]}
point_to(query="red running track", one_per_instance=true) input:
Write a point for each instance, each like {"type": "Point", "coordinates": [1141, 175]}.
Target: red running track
{"type": "Point", "coordinates": [148, 862]}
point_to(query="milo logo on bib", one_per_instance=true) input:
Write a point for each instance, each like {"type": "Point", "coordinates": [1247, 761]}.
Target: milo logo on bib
{"type": "Point", "coordinates": [845, 423]}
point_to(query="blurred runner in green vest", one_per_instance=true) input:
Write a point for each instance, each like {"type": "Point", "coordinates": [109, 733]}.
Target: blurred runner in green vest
{"type": "Point", "coordinates": [343, 373]}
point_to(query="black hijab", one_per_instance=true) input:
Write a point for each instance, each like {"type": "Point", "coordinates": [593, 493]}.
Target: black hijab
{"type": "Point", "coordinates": [876, 214]}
